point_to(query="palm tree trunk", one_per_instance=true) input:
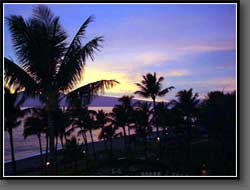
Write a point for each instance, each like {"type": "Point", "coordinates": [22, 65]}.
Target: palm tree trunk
{"type": "Point", "coordinates": [12, 151]}
{"type": "Point", "coordinates": [157, 128]}
{"type": "Point", "coordinates": [146, 146]}
{"type": "Point", "coordinates": [56, 155]}
{"type": "Point", "coordinates": [47, 148]}
{"type": "Point", "coordinates": [129, 140]}
{"type": "Point", "coordinates": [189, 143]}
{"type": "Point", "coordinates": [105, 143]}
{"type": "Point", "coordinates": [124, 136]}
{"type": "Point", "coordinates": [52, 153]}
{"type": "Point", "coordinates": [61, 139]}
{"type": "Point", "coordinates": [86, 148]}
{"type": "Point", "coordinates": [41, 150]}
{"type": "Point", "coordinates": [92, 141]}
{"type": "Point", "coordinates": [111, 146]}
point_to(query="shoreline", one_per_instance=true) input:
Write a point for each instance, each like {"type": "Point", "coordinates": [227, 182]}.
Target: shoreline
{"type": "Point", "coordinates": [34, 162]}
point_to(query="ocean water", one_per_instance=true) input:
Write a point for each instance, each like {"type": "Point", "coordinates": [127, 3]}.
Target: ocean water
{"type": "Point", "coordinates": [28, 147]}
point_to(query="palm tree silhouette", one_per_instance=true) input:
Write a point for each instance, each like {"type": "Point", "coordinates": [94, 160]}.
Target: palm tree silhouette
{"type": "Point", "coordinates": [12, 117]}
{"type": "Point", "coordinates": [102, 119]}
{"type": "Point", "coordinates": [187, 102]}
{"type": "Point", "coordinates": [119, 121]}
{"type": "Point", "coordinates": [90, 125]}
{"type": "Point", "coordinates": [35, 125]}
{"type": "Point", "coordinates": [218, 113]}
{"type": "Point", "coordinates": [49, 67]}
{"type": "Point", "coordinates": [72, 151]}
{"type": "Point", "coordinates": [151, 87]}
{"type": "Point", "coordinates": [161, 115]}
{"type": "Point", "coordinates": [107, 133]}
{"type": "Point", "coordinates": [126, 104]}
{"type": "Point", "coordinates": [142, 119]}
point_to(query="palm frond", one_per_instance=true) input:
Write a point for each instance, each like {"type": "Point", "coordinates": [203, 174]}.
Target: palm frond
{"type": "Point", "coordinates": [70, 72]}
{"type": "Point", "coordinates": [165, 91]}
{"type": "Point", "coordinates": [87, 92]}
{"type": "Point", "coordinates": [43, 13]}
{"type": "Point", "coordinates": [160, 80]}
{"type": "Point", "coordinates": [81, 32]}
{"type": "Point", "coordinates": [16, 77]}
{"type": "Point", "coordinates": [142, 93]}
{"type": "Point", "coordinates": [39, 43]}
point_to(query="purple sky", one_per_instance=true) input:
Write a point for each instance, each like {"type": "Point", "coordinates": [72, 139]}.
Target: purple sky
{"type": "Point", "coordinates": [191, 45]}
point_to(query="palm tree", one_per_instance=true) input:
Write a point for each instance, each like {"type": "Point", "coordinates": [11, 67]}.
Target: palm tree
{"type": "Point", "coordinates": [187, 103]}
{"type": "Point", "coordinates": [48, 66]}
{"type": "Point", "coordinates": [151, 87]}
{"type": "Point", "coordinates": [126, 105]}
{"type": "Point", "coordinates": [90, 125]}
{"type": "Point", "coordinates": [34, 125]}
{"type": "Point", "coordinates": [102, 119]}
{"type": "Point", "coordinates": [107, 133]}
{"type": "Point", "coordinates": [12, 117]}
{"type": "Point", "coordinates": [62, 123]}
{"type": "Point", "coordinates": [218, 114]}
{"type": "Point", "coordinates": [142, 120]}
{"type": "Point", "coordinates": [79, 117]}
{"type": "Point", "coordinates": [161, 115]}
{"type": "Point", "coordinates": [72, 152]}
{"type": "Point", "coordinates": [118, 120]}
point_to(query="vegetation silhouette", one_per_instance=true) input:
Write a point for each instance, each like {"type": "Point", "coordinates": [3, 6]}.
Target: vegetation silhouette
{"type": "Point", "coordinates": [48, 66]}
{"type": "Point", "coordinates": [192, 135]}
{"type": "Point", "coordinates": [151, 87]}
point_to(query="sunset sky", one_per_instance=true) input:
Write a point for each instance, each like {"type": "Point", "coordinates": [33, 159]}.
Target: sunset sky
{"type": "Point", "coordinates": [191, 45]}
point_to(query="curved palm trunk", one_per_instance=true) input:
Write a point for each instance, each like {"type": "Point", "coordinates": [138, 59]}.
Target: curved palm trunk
{"type": "Point", "coordinates": [93, 144]}
{"type": "Point", "coordinates": [12, 151]}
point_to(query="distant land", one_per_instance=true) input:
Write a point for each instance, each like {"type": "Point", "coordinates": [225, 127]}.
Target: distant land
{"type": "Point", "coordinates": [98, 101]}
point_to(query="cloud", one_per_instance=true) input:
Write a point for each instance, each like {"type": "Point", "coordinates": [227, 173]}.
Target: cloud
{"type": "Point", "coordinates": [205, 85]}
{"type": "Point", "coordinates": [177, 73]}
{"type": "Point", "coordinates": [152, 58]}
{"type": "Point", "coordinates": [207, 47]}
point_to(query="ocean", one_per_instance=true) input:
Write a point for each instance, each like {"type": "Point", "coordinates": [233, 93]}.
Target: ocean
{"type": "Point", "coordinates": [29, 147]}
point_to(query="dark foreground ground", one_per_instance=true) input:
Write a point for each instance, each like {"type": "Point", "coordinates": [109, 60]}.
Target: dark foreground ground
{"type": "Point", "coordinates": [132, 161]}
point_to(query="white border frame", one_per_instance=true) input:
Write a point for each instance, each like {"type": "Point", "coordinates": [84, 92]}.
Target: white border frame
{"type": "Point", "coordinates": [236, 66]}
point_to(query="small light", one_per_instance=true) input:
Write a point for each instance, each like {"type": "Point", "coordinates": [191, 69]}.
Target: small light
{"type": "Point", "coordinates": [158, 138]}
{"type": "Point", "coordinates": [204, 172]}
{"type": "Point", "coordinates": [84, 152]}
{"type": "Point", "coordinates": [47, 163]}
